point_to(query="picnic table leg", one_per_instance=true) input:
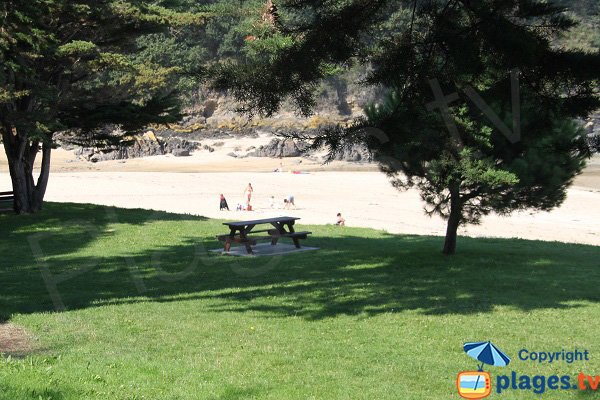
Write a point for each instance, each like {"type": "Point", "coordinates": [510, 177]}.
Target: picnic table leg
{"type": "Point", "coordinates": [227, 245]}
{"type": "Point", "coordinates": [243, 232]}
{"type": "Point", "coordinates": [290, 226]}
{"type": "Point", "coordinates": [274, 238]}
{"type": "Point", "coordinates": [280, 231]}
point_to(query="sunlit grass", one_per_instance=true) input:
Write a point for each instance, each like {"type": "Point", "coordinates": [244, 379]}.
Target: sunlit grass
{"type": "Point", "coordinates": [150, 314]}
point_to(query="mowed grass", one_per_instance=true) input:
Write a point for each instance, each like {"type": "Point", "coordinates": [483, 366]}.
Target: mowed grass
{"type": "Point", "coordinates": [150, 314]}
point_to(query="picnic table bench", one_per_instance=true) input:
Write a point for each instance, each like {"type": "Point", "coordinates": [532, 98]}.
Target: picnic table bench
{"type": "Point", "coordinates": [243, 232]}
{"type": "Point", "coordinates": [7, 200]}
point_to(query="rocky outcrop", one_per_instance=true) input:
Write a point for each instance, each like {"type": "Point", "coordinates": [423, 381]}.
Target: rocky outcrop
{"type": "Point", "coordinates": [145, 145]}
{"type": "Point", "coordinates": [293, 148]}
{"type": "Point", "coordinates": [178, 147]}
{"type": "Point", "coordinates": [279, 148]}
{"type": "Point", "coordinates": [354, 153]}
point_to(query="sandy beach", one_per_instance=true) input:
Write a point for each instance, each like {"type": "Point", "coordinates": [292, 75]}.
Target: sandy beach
{"type": "Point", "coordinates": [363, 195]}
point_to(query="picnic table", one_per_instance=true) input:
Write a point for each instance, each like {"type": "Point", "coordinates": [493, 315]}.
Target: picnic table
{"type": "Point", "coordinates": [7, 202]}
{"type": "Point", "coordinates": [243, 232]}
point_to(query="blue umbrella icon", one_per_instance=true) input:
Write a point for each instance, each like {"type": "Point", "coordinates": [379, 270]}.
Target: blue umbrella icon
{"type": "Point", "coordinates": [487, 353]}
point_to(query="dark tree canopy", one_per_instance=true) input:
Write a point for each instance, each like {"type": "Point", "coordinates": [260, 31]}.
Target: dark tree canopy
{"type": "Point", "coordinates": [481, 99]}
{"type": "Point", "coordinates": [77, 65]}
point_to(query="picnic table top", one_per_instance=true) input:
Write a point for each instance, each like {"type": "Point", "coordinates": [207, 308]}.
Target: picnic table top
{"type": "Point", "coordinates": [261, 221]}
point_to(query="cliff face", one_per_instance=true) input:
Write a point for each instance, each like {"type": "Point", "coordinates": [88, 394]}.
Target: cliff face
{"type": "Point", "coordinates": [215, 117]}
{"type": "Point", "coordinates": [337, 101]}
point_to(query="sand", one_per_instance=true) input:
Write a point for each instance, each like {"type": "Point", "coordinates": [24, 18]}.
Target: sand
{"type": "Point", "coordinates": [362, 195]}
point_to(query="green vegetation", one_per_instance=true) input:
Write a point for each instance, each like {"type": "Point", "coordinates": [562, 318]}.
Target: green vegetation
{"type": "Point", "coordinates": [586, 35]}
{"type": "Point", "coordinates": [480, 106]}
{"type": "Point", "coordinates": [76, 66]}
{"type": "Point", "coordinates": [369, 316]}
{"type": "Point", "coordinates": [80, 65]}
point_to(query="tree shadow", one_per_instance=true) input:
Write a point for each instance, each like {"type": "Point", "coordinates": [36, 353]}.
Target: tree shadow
{"type": "Point", "coordinates": [9, 391]}
{"type": "Point", "coordinates": [362, 275]}
{"type": "Point", "coordinates": [235, 393]}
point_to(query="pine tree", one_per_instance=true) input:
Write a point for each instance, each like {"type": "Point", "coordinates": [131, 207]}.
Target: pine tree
{"type": "Point", "coordinates": [71, 65]}
{"type": "Point", "coordinates": [480, 106]}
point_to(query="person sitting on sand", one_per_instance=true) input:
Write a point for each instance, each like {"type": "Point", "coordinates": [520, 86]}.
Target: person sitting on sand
{"type": "Point", "coordinates": [340, 220]}
{"type": "Point", "coordinates": [223, 204]}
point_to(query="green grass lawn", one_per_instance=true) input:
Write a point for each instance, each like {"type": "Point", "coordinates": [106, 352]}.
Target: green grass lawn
{"type": "Point", "coordinates": [149, 314]}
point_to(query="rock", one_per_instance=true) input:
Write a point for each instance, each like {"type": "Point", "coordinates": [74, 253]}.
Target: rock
{"type": "Point", "coordinates": [354, 153]}
{"type": "Point", "coordinates": [210, 106]}
{"type": "Point", "coordinates": [179, 146]}
{"type": "Point", "coordinates": [181, 153]}
{"type": "Point", "coordinates": [279, 148]}
{"type": "Point", "coordinates": [192, 120]}
{"type": "Point", "coordinates": [232, 154]}
{"type": "Point", "coordinates": [84, 152]}
{"type": "Point", "coordinates": [589, 127]}
{"type": "Point", "coordinates": [143, 146]}
{"type": "Point", "coordinates": [592, 129]}
{"type": "Point", "coordinates": [593, 141]}
{"type": "Point", "coordinates": [290, 148]}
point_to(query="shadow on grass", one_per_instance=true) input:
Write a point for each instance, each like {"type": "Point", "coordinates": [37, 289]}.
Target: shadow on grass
{"type": "Point", "coordinates": [24, 393]}
{"type": "Point", "coordinates": [357, 272]}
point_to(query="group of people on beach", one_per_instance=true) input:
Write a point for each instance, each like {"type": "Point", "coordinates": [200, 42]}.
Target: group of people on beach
{"type": "Point", "coordinates": [247, 195]}
{"type": "Point", "coordinates": [288, 203]}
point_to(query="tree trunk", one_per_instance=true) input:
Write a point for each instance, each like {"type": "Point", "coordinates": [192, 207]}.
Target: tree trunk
{"type": "Point", "coordinates": [29, 196]}
{"type": "Point", "coordinates": [454, 220]}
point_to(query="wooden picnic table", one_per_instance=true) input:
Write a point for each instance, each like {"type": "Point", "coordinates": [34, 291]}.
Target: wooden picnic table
{"type": "Point", "coordinates": [243, 232]}
{"type": "Point", "coordinates": [7, 202]}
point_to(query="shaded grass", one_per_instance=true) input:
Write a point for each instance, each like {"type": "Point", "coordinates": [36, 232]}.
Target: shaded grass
{"type": "Point", "coordinates": [151, 314]}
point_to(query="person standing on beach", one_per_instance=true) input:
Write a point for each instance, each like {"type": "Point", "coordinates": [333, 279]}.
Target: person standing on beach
{"type": "Point", "coordinates": [248, 192]}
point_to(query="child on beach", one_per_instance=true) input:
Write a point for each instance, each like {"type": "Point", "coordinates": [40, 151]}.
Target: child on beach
{"type": "Point", "coordinates": [340, 220]}
{"type": "Point", "coordinates": [223, 203]}
{"type": "Point", "coordinates": [290, 201]}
